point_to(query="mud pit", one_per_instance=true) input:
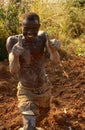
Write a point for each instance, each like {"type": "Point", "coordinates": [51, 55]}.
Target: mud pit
{"type": "Point", "coordinates": [68, 102]}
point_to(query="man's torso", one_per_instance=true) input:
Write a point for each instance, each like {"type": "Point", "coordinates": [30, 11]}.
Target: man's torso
{"type": "Point", "coordinates": [32, 71]}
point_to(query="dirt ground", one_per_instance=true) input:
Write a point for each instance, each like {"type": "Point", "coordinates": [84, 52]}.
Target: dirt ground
{"type": "Point", "coordinates": [68, 102]}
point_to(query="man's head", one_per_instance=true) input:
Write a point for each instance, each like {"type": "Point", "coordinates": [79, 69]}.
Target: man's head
{"type": "Point", "coordinates": [30, 26]}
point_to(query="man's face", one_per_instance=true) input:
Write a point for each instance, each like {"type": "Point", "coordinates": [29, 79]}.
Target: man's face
{"type": "Point", "coordinates": [30, 30]}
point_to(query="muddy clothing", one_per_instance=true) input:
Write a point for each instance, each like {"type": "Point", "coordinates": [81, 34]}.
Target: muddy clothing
{"type": "Point", "coordinates": [34, 88]}
{"type": "Point", "coordinates": [33, 100]}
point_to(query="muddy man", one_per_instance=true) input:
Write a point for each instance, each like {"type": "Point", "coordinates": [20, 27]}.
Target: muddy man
{"type": "Point", "coordinates": [26, 60]}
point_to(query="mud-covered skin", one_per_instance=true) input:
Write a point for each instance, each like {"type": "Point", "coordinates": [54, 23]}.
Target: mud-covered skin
{"type": "Point", "coordinates": [32, 71]}
{"type": "Point", "coordinates": [31, 63]}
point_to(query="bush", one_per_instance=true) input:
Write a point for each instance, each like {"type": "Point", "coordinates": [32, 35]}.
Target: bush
{"type": "Point", "coordinates": [3, 51]}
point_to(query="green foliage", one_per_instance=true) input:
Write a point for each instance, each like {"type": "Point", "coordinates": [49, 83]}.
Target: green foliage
{"type": "Point", "coordinates": [76, 24]}
{"type": "Point", "coordinates": [9, 23]}
{"type": "Point", "coordinates": [79, 3]}
{"type": "Point", "coordinates": [3, 52]}
{"type": "Point", "coordinates": [12, 19]}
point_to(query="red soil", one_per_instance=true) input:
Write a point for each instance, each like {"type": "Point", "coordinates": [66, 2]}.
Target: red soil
{"type": "Point", "coordinates": [68, 102]}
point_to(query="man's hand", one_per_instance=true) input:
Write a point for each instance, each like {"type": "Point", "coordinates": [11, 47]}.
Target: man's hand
{"type": "Point", "coordinates": [17, 48]}
{"type": "Point", "coordinates": [55, 57]}
{"type": "Point", "coordinates": [53, 47]}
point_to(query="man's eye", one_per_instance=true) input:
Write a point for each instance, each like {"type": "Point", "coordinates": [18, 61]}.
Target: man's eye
{"type": "Point", "coordinates": [24, 31]}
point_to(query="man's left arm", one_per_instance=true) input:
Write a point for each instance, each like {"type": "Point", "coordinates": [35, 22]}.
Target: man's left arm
{"type": "Point", "coordinates": [53, 46]}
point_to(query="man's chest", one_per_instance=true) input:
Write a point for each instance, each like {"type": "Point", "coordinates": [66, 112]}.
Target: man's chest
{"type": "Point", "coordinates": [33, 52]}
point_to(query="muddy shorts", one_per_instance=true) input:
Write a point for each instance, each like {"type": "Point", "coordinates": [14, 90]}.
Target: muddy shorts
{"type": "Point", "coordinates": [34, 101]}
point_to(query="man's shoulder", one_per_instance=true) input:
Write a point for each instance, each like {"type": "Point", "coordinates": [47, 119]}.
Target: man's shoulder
{"type": "Point", "coordinates": [11, 40]}
{"type": "Point", "coordinates": [42, 33]}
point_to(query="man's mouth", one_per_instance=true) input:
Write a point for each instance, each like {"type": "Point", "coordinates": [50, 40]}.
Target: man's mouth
{"type": "Point", "coordinates": [30, 36]}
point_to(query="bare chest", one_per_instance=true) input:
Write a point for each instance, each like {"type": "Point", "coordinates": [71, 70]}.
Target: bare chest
{"type": "Point", "coordinates": [32, 52]}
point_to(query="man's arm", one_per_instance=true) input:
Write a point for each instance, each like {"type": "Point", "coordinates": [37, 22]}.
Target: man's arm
{"type": "Point", "coordinates": [14, 50]}
{"type": "Point", "coordinates": [53, 46]}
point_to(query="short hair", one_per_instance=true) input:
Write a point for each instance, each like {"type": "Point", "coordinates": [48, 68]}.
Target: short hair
{"type": "Point", "coordinates": [31, 17]}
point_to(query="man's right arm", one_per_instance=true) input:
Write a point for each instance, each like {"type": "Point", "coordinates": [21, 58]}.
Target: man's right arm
{"type": "Point", "coordinates": [14, 51]}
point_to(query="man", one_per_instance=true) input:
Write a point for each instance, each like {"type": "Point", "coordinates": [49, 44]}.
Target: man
{"type": "Point", "coordinates": [26, 61]}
